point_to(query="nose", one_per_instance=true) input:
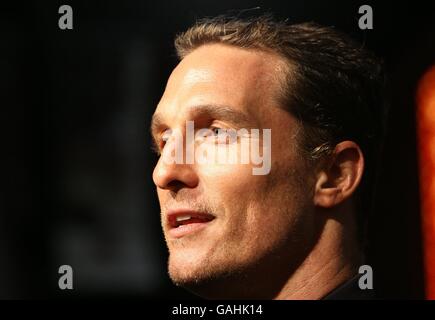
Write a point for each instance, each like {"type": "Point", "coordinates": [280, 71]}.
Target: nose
{"type": "Point", "coordinates": [170, 175]}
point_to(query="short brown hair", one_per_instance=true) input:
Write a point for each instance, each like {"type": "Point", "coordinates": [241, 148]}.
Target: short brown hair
{"type": "Point", "coordinates": [336, 87]}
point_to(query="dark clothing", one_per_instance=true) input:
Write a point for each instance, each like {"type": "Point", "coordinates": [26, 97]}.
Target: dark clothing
{"type": "Point", "coordinates": [350, 290]}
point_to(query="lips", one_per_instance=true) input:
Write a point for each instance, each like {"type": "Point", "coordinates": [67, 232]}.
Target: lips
{"type": "Point", "coordinates": [182, 222]}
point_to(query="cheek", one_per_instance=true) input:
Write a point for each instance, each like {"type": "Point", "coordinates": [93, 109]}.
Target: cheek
{"type": "Point", "coordinates": [230, 187]}
{"type": "Point", "coordinates": [229, 182]}
{"type": "Point", "coordinates": [243, 196]}
{"type": "Point", "coordinates": [260, 211]}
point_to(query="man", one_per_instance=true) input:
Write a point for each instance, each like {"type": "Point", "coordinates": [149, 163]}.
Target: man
{"type": "Point", "coordinates": [296, 231]}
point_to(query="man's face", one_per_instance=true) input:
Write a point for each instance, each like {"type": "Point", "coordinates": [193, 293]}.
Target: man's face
{"type": "Point", "coordinates": [253, 216]}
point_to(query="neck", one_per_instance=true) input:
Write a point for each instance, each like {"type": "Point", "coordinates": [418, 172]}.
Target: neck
{"type": "Point", "coordinates": [332, 261]}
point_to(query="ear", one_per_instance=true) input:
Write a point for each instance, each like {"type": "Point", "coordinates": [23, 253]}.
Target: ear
{"type": "Point", "coordinates": [341, 175]}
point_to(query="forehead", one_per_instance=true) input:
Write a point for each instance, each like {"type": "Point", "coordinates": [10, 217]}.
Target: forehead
{"type": "Point", "coordinates": [223, 75]}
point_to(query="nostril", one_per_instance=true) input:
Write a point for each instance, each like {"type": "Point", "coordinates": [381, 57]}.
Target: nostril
{"type": "Point", "coordinates": [175, 185]}
{"type": "Point", "coordinates": [174, 176]}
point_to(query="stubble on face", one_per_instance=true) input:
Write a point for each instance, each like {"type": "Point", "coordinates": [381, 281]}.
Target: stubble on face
{"type": "Point", "coordinates": [259, 220]}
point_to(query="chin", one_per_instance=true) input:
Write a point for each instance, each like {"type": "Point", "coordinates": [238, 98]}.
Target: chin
{"type": "Point", "coordinates": [206, 275]}
{"type": "Point", "coordinates": [209, 281]}
{"type": "Point", "coordinates": [193, 261]}
{"type": "Point", "coordinates": [185, 269]}
{"type": "Point", "coordinates": [197, 279]}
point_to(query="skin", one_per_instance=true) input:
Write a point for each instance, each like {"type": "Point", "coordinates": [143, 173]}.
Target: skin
{"type": "Point", "coordinates": [285, 235]}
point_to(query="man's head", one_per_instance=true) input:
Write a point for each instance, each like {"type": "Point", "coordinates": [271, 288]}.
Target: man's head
{"type": "Point", "coordinates": [245, 235]}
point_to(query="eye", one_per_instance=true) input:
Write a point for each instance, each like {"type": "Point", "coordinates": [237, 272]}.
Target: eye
{"type": "Point", "coordinates": [216, 131]}
{"type": "Point", "coordinates": [221, 135]}
{"type": "Point", "coordinates": [166, 135]}
{"type": "Point", "coordinates": [160, 142]}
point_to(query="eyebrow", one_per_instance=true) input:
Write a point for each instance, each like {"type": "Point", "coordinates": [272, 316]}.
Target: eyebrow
{"type": "Point", "coordinates": [218, 112]}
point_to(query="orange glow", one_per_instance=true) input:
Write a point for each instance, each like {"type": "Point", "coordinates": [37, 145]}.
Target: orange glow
{"type": "Point", "coordinates": [426, 145]}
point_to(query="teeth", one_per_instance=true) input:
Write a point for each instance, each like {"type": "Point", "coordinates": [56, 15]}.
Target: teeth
{"type": "Point", "coordinates": [183, 218]}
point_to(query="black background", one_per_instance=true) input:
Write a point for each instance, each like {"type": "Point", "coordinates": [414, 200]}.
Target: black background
{"type": "Point", "coordinates": [76, 106]}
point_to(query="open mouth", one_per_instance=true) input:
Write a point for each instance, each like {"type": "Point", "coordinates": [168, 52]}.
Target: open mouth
{"type": "Point", "coordinates": [184, 222]}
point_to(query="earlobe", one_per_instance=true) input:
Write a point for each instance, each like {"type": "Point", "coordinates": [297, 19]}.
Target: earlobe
{"type": "Point", "coordinates": [338, 180]}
